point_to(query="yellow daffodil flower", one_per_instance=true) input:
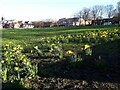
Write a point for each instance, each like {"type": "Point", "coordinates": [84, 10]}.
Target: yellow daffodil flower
{"type": "Point", "coordinates": [87, 46]}
{"type": "Point", "coordinates": [16, 68]}
{"type": "Point", "coordinates": [104, 34]}
{"type": "Point", "coordinates": [24, 60]}
{"type": "Point", "coordinates": [69, 52]}
{"type": "Point", "coordinates": [2, 61]}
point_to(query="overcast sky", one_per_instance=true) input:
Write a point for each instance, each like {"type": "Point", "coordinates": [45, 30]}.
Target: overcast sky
{"type": "Point", "coordinates": [44, 9]}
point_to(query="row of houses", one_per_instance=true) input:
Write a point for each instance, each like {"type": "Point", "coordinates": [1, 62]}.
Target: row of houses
{"type": "Point", "coordinates": [82, 22]}
{"type": "Point", "coordinates": [15, 24]}
{"type": "Point", "coordinates": [73, 22]}
{"type": "Point", "coordinates": [61, 22]}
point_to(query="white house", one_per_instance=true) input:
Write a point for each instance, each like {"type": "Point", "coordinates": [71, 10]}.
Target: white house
{"type": "Point", "coordinates": [16, 25]}
{"type": "Point", "coordinates": [28, 24]}
{"type": "Point", "coordinates": [83, 22]}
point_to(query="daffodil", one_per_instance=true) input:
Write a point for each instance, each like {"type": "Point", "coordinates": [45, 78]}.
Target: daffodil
{"type": "Point", "coordinates": [24, 60]}
{"type": "Point", "coordinates": [104, 34]}
{"type": "Point", "coordinates": [69, 52]}
{"type": "Point", "coordinates": [16, 64]}
{"type": "Point", "coordinates": [82, 49]}
{"type": "Point", "coordinates": [69, 36]}
{"type": "Point", "coordinates": [56, 47]}
{"type": "Point", "coordinates": [30, 77]}
{"type": "Point", "coordinates": [53, 44]}
{"type": "Point", "coordinates": [14, 48]}
{"type": "Point", "coordinates": [5, 48]}
{"type": "Point", "coordinates": [18, 45]}
{"type": "Point", "coordinates": [21, 48]}
{"type": "Point", "coordinates": [2, 61]}
{"type": "Point", "coordinates": [83, 36]}
{"type": "Point", "coordinates": [6, 59]}
{"type": "Point", "coordinates": [10, 42]}
{"type": "Point", "coordinates": [6, 52]}
{"type": "Point", "coordinates": [93, 34]}
{"type": "Point", "coordinates": [87, 46]}
{"type": "Point", "coordinates": [36, 47]}
{"type": "Point", "coordinates": [7, 45]}
{"type": "Point", "coordinates": [16, 68]}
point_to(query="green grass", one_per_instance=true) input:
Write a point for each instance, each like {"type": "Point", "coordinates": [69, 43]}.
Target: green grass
{"type": "Point", "coordinates": [33, 35]}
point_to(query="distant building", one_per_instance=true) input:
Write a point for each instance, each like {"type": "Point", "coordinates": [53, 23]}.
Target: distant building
{"type": "Point", "coordinates": [83, 22]}
{"type": "Point", "coordinates": [62, 22]}
{"type": "Point", "coordinates": [67, 21]}
{"type": "Point", "coordinates": [8, 24]}
{"type": "Point", "coordinates": [15, 24]}
{"type": "Point", "coordinates": [73, 22]}
{"type": "Point", "coordinates": [27, 24]}
{"type": "Point", "coordinates": [105, 21]}
{"type": "Point", "coordinates": [54, 24]}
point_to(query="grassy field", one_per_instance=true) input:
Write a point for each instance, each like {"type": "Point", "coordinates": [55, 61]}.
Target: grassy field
{"type": "Point", "coordinates": [63, 56]}
{"type": "Point", "coordinates": [26, 35]}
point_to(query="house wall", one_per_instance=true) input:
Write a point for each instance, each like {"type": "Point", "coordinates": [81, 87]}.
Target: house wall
{"type": "Point", "coordinates": [28, 26]}
{"type": "Point", "coordinates": [16, 25]}
{"type": "Point", "coordinates": [82, 22]}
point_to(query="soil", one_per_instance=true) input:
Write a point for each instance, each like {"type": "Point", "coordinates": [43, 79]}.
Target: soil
{"type": "Point", "coordinates": [70, 76]}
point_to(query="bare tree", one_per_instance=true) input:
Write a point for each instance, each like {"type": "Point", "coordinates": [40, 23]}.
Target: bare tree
{"type": "Point", "coordinates": [38, 24]}
{"type": "Point", "coordinates": [48, 20]}
{"type": "Point", "coordinates": [79, 15]}
{"type": "Point", "coordinates": [118, 11]}
{"type": "Point", "coordinates": [75, 19]}
{"type": "Point", "coordinates": [97, 12]}
{"type": "Point", "coordinates": [86, 14]}
{"type": "Point", "coordinates": [118, 7]}
{"type": "Point", "coordinates": [110, 11]}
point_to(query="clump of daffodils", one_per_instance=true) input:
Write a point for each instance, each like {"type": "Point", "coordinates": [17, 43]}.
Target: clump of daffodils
{"type": "Point", "coordinates": [104, 34]}
{"type": "Point", "coordinates": [94, 34]}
